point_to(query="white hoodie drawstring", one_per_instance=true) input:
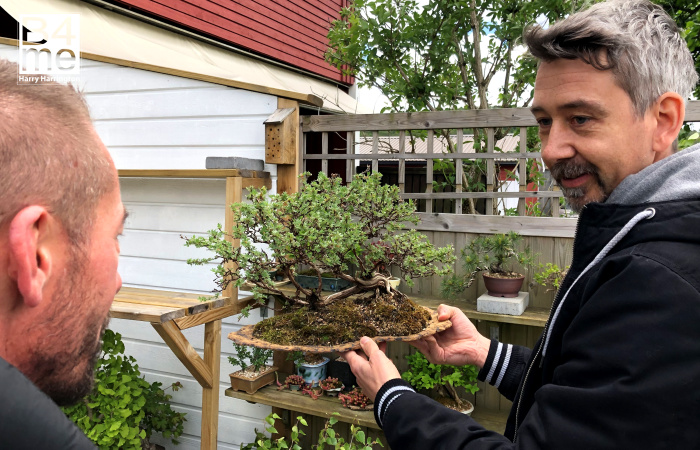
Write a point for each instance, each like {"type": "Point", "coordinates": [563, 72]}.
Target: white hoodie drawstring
{"type": "Point", "coordinates": [646, 214]}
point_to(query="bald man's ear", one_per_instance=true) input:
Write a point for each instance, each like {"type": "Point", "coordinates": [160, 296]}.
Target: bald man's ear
{"type": "Point", "coordinates": [29, 240]}
{"type": "Point", "coordinates": [669, 112]}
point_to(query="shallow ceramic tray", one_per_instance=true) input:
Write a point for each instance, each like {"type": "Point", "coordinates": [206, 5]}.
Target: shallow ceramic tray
{"type": "Point", "coordinates": [244, 336]}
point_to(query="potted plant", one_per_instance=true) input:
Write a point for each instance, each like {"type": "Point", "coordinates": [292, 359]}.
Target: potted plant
{"type": "Point", "coordinates": [331, 228]}
{"type": "Point", "coordinates": [254, 375]}
{"type": "Point", "coordinates": [494, 256]}
{"type": "Point", "coordinates": [293, 383]}
{"type": "Point", "coordinates": [331, 386]}
{"type": "Point", "coordinates": [422, 374]}
{"type": "Point", "coordinates": [340, 369]}
{"type": "Point", "coordinates": [550, 276]}
{"type": "Point", "coordinates": [312, 367]}
{"type": "Point", "coordinates": [356, 400]}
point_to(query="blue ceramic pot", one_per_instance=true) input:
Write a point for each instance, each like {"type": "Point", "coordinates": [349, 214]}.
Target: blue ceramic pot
{"type": "Point", "coordinates": [313, 373]}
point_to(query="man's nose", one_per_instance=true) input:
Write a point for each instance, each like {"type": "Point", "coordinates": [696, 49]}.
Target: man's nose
{"type": "Point", "coordinates": [557, 145]}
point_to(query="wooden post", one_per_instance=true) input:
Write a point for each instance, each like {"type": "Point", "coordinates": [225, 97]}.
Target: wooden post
{"type": "Point", "coordinates": [375, 151]}
{"type": "Point", "coordinates": [459, 170]}
{"type": "Point", "coordinates": [490, 169]}
{"type": "Point", "coordinates": [324, 151]}
{"type": "Point", "coordinates": [402, 162]}
{"type": "Point", "coordinates": [350, 150]}
{"type": "Point", "coordinates": [234, 194]}
{"type": "Point", "coordinates": [429, 172]}
{"type": "Point", "coordinates": [522, 174]}
{"type": "Point", "coordinates": [210, 395]}
{"type": "Point", "coordinates": [287, 174]}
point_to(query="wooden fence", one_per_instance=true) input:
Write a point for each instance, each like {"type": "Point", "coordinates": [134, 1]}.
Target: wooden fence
{"type": "Point", "coordinates": [339, 137]}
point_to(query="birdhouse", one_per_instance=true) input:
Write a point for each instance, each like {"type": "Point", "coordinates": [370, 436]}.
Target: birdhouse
{"type": "Point", "coordinates": [280, 145]}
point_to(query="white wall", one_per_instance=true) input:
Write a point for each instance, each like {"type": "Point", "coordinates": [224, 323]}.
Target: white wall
{"type": "Point", "coordinates": [154, 121]}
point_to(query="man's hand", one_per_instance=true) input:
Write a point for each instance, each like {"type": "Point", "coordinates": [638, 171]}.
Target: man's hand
{"type": "Point", "coordinates": [374, 370]}
{"type": "Point", "coordinates": [459, 345]}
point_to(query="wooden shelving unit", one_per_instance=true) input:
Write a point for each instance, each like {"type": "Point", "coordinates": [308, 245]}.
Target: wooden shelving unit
{"type": "Point", "coordinates": [325, 406]}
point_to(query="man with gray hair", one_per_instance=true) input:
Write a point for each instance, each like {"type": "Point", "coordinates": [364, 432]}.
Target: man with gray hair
{"type": "Point", "coordinates": [619, 359]}
{"type": "Point", "coordinates": [60, 216]}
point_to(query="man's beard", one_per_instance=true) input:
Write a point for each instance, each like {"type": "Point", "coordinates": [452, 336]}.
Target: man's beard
{"type": "Point", "coordinates": [63, 365]}
{"type": "Point", "coordinates": [576, 196]}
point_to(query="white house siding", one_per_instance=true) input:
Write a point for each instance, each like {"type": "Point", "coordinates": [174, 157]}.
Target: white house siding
{"type": "Point", "coordinates": [153, 121]}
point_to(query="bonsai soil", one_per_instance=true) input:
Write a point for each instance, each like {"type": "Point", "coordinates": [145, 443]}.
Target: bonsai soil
{"type": "Point", "coordinates": [340, 325]}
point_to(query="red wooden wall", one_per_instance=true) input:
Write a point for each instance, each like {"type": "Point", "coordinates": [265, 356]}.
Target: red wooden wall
{"type": "Point", "coordinates": [291, 31]}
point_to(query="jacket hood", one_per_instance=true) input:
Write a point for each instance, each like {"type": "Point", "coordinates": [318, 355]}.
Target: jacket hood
{"type": "Point", "coordinates": [676, 177]}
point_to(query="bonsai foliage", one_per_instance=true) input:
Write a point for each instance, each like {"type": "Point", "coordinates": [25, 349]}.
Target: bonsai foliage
{"type": "Point", "coordinates": [550, 276]}
{"type": "Point", "coordinates": [327, 437]}
{"type": "Point", "coordinates": [123, 410]}
{"type": "Point", "coordinates": [495, 254]}
{"type": "Point", "coordinates": [258, 357]}
{"type": "Point", "coordinates": [422, 374]}
{"type": "Point", "coordinates": [355, 232]}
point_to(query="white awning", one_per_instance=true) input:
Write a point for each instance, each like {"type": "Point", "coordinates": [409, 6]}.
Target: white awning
{"type": "Point", "coordinates": [111, 37]}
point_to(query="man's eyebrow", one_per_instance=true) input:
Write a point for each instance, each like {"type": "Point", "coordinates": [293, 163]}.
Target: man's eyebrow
{"type": "Point", "coordinates": [592, 106]}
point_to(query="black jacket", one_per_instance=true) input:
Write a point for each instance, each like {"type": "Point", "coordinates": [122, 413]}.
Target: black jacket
{"type": "Point", "coordinates": [618, 365]}
{"type": "Point", "coordinates": [30, 420]}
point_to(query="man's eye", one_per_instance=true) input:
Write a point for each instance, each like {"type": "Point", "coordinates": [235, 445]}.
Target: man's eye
{"type": "Point", "coordinates": [578, 120]}
{"type": "Point", "coordinates": [544, 122]}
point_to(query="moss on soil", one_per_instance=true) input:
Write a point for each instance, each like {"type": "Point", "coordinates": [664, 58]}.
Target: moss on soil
{"type": "Point", "coordinates": [346, 320]}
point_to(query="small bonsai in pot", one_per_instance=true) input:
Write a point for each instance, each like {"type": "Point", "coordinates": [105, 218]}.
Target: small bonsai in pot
{"type": "Point", "coordinates": [422, 374]}
{"type": "Point", "coordinates": [356, 232]}
{"type": "Point", "coordinates": [254, 375]}
{"type": "Point", "coordinates": [550, 276]}
{"type": "Point", "coordinates": [331, 386]}
{"type": "Point", "coordinates": [356, 400]}
{"type": "Point", "coordinates": [495, 257]}
{"type": "Point", "coordinates": [312, 367]}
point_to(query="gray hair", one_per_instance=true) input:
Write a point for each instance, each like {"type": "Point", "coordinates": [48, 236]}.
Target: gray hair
{"type": "Point", "coordinates": [635, 39]}
{"type": "Point", "coordinates": [50, 154]}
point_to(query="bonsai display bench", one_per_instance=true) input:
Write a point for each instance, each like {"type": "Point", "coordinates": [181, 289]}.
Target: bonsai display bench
{"type": "Point", "coordinates": [325, 406]}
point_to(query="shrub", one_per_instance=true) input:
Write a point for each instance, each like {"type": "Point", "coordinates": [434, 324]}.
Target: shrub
{"type": "Point", "coordinates": [327, 437]}
{"type": "Point", "coordinates": [422, 374]}
{"type": "Point", "coordinates": [123, 409]}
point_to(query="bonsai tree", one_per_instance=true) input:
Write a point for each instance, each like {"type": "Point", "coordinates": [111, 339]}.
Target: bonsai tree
{"type": "Point", "coordinates": [495, 255]}
{"type": "Point", "coordinates": [550, 276]}
{"type": "Point", "coordinates": [422, 374]}
{"type": "Point", "coordinates": [329, 228]}
{"type": "Point", "coordinates": [258, 357]}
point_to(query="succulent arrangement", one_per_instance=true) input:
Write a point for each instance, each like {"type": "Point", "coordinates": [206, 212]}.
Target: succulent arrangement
{"type": "Point", "coordinates": [355, 399]}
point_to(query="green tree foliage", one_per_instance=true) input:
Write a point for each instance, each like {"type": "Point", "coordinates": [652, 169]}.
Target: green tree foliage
{"type": "Point", "coordinates": [686, 13]}
{"type": "Point", "coordinates": [355, 232]}
{"type": "Point", "coordinates": [123, 410]}
{"type": "Point", "coordinates": [430, 56]}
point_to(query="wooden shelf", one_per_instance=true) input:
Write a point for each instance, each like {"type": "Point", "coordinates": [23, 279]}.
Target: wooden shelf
{"type": "Point", "coordinates": [325, 406]}
{"type": "Point", "coordinates": [296, 401]}
{"type": "Point", "coordinates": [535, 317]}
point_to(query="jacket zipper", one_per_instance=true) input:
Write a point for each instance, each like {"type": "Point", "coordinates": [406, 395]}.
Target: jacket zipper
{"type": "Point", "coordinates": [544, 333]}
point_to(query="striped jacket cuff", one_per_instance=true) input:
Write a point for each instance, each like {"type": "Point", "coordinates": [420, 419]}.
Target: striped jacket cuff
{"type": "Point", "coordinates": [390, 391]}
{"type": "Point", "coordinates": [496, 364]}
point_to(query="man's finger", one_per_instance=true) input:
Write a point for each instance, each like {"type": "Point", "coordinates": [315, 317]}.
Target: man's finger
{"type": "Point", "coordinates": [353, 359]}
{"type": "Point", "coordinates": [369, 346]}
